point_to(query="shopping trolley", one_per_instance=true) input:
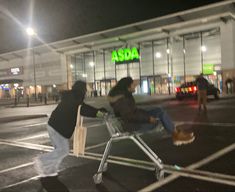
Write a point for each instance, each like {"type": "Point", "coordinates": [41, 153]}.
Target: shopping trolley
{"type": "Point", "coordinates": [115, 128]}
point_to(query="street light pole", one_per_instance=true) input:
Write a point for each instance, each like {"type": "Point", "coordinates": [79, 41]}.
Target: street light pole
{"type": "Point", "coordinates": [30, 32]}
{"type": "Point", "coordinates": [34, 74]}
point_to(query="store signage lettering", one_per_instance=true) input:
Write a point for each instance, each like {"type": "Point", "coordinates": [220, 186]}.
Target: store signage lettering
{"type": "Point", "coordinates": [126, 55]}
{"type": "Point", "coordinates": [11, 71]}
{"type": "Point", "coordinates": [15, 71]}
{"type": "Point", "coordinates": [208, 69]}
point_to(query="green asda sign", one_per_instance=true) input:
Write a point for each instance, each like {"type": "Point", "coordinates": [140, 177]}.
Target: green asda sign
{"type": "Point", "coordinates": [208, 69]}
{"type": "Point", "coordinates": [126, 55]}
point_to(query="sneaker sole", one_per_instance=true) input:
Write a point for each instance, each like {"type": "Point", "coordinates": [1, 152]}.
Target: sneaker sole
{"type": "Point", "coordinates": [178, 143]}
{"type": "Point", "coordinates": [48, 175]}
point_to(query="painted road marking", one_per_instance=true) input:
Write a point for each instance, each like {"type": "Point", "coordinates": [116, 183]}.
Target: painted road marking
{"type": "Point", "coordinates": [177, 123]}
{"type": "Point", "coordinates": [46, 134]}
{"type": "Point", "coordinates": [19, 183]}
{"type": "Point", "coordinates": [33, 137]}
{"type": "Point", "coordinates": [204, 123]}
{"type": "Point", "coordinates": [98, 156]}
{"type": "Point", "coordinates": [187, 172]}
{"type": "Point", "coordinates": [16, 167]}
{"type": "Point", "coordinates": [196, 165]}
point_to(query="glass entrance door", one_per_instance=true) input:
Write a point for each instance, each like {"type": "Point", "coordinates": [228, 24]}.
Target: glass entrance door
{"type": "Point", "coordinates": [162, 84]}
{"type": "Point", "coordinates": [104, 86]}
{"type": "Point", "coordinates": [147, 85]}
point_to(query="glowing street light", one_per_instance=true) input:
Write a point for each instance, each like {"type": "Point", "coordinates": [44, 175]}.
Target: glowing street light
{"type": "Point", "coordinates": [30, 31]}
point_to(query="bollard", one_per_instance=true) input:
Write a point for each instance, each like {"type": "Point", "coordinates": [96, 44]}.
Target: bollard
{"type": "Point", "coordinates": [15, 100]}
{"type": "Point", "coordinates": [45, 100]}
{"type": "Point", "coordinates": [27, 100]}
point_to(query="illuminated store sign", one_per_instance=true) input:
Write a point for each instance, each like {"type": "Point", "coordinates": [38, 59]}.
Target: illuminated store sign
{"type": "Point", "coordinates": [208, 69]}
{"type": "Point", "coordinates": [5, 87]}
{"type": "Point", "coordinates": [15, 71]}
{"type": "Point", "coordinates": [126, 55]}
{"type": "Point", "coordinates": [11, 71]}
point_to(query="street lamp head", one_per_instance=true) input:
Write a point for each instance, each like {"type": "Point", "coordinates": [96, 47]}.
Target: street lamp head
{"type": "Point", "coordinates": [30, 31]}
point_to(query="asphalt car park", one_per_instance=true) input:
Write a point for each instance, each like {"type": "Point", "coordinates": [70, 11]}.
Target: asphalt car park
{"type": "Point", "coordinates": [205, 165]}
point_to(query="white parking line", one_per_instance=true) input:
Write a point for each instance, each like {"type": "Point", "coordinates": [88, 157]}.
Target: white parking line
{"type": "Point", "coordinates": [95, 146]}
{"type": "Point", "coordinates": [33, 137]}
{"type": "Point", "coordinates": [95, 125]}
{"type": "Point", "coordinates": [19, 183]}
{"type": "Point", "coordinates": [32, 125]}
{"type": "Point", "coordinates": [196, 165]}
{"type": "Point", "coordinates": [16, 167]}
{"type": "Point", "coordinates": [37, 124]}
{"type": "Point", "coordinates": [46, 134]}
{"type": "Point", "coordinates": [188, 172]}
{"type": "Point", "coordinates": [204, 123]}
{"type": "Point", "coordinates": [119, 159]}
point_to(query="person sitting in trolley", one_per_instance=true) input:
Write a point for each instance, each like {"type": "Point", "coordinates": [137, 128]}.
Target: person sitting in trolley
{"type": "Point", "coordinates": [136, 119]}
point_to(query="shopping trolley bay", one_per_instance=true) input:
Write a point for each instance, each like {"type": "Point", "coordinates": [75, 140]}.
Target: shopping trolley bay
{"type": "Point", "coordinates": [135, 162]}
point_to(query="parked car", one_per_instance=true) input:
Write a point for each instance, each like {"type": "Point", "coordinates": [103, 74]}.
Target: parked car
{"type": "Point", "coordinates": [189, 89]}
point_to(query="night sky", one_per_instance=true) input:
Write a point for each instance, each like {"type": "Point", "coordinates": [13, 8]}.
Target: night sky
{"type": "Point", "coordinates": [61, 19]}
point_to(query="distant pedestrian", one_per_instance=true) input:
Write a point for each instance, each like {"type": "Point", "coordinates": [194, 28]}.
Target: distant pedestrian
{"type": "Point", "coordinates": [229, 86]}
{"type": "Point", "coordinates": [202, 86]}
{"type": "Point", "coordinates": [61, 126]}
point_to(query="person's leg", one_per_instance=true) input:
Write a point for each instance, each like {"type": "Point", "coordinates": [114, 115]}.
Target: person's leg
{"type": "Point", "coordinates": [179, 137]}
{"type": "Point", "coordinates": [165, 119]}
{"type": "Point", "coordinates": [204, 100]}
{"type": "Point", "coordinates": [199, 97]}
{"type": "Point", "coordinates": [49, 162]}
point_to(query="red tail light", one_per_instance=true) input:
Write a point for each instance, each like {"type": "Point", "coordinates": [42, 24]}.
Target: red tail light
{"type": "Point", "coordinates": [177, 89]}
{"type": "Point", "coordinates": [194, 88]}
{"type": "Point", "coordinates": [190, 89]}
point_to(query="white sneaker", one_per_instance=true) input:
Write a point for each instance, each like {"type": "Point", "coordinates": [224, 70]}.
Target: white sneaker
{"type": "Point", "coordinates": [38, 167]}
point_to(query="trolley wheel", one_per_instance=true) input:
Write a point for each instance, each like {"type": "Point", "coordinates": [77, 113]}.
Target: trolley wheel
{"type": "Point", "coordinates": [105, 168]}
{"type": "Point", "coordinates": [97, 178]}
{"type": "Point", "coordinates": [159, 174]}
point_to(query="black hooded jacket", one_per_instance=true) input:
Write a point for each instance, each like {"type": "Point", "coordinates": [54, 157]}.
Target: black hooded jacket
{"type": "Point", "coordinates": [63, 118]}
{"type": "Point", "coordinates": [124, 106]}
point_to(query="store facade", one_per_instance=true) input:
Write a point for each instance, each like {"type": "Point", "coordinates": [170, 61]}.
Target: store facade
{"type": "Point", "coordinates": [162, 64]}
{"type": "Point", "coordinates": [21, 77]}
{"type": "Point", "coordinates": [159, 54]}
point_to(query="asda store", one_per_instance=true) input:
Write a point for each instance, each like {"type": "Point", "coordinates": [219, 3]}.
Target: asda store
{"type": "Point", "coordinates": [159, 65]}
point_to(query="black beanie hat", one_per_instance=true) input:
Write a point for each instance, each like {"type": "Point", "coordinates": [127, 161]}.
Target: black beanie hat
{"type": "Point", "coordinates": [79, 85]}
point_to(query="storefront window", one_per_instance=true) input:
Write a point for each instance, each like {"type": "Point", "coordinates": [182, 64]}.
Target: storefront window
{"type": "Point", "coordinates": [161, 66]}
{"type": "Point", "coordinates": [178, 61]}
{"type": "Point", "coordinates": [109, 65]}
{"type": "Point", "coordinates": [121, 71]}
{"type": "Point", "coordinates": [99, 65]}
{"type": "Point", "coordinates": [146, 62]}
{"type": "Point", "coordinates": [212, 56]}
{"type": "Point", "coordinates": [89, 67]}
{"type": "Point", "coordinates": [193, 58]}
